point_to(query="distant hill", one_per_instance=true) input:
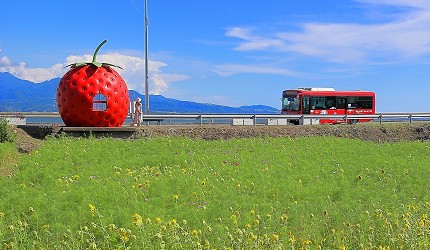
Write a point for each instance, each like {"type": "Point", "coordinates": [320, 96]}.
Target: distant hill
{"type": "Point", "coordinates": [24, 96]}
{"type": "Point", "coordinates": [161, 104]}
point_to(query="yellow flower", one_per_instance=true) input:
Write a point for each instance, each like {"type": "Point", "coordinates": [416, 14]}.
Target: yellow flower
{"type": "Point", "coordinates": [252, 212]}
{"type": "Point", "coordinates": [284, 217]}
{"type": "Point", "coordinates": [175, 197]}
{"type": "Point", "coordinates": [158, 220]}
{"type": "Point", "coordinates": [252, 236]}
{"type": "Point", "coordinates": [275, 237]}
{"type": "Point", "coordinates": [172, 222]}
{"type": "Point", "coordinates": [306, 242]}
{"type": "Point", "coordinates": [234, 218]}
{"type": "Point", "coordinates": [194, 233]}
{"type": "Point", "coordinates": [383, 248]}
{"type": "Point", "coordinates": [148, 220]}
{"type": "Point", "coordinates": [92, 209]}
{"type": "Point", "coordinates": [112, 228]}
{"type": "Point", "coordinates": [137, 220]}
{"type": "Point", "coordinates": [124, 234]}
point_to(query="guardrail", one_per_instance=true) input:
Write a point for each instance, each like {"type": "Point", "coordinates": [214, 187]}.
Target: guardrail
{"type": "Point", "coordinates": [200, 118]}
{"type": "Point", "coordinates": [30, 114]}
{"type": "Point", "coordinates": [380, 117]}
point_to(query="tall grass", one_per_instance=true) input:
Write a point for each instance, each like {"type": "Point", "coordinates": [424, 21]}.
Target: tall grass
{"type": "Point", "coordinates": [8, 158]}
{"type": "Point", "coordinates": [6, 131]}
{"type": "Point", "coordinates": [8, 150]}
{"type": "Point", "coordinates": [262, 193]}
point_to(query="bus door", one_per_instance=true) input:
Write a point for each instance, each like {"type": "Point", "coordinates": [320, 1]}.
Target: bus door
{"type": "Point", "coordinates": [306, 104]}
{"type": "Point", "coordinates": [341, 105]}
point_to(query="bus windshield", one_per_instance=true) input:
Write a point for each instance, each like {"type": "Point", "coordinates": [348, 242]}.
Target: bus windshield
{"type": "Point", "coordinates": [290, 103]}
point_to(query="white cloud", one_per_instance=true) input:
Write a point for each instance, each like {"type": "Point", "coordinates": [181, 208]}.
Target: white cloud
{"type": "Point", "coordinates": [254, 42]}
{"type": "Point", "coordinates": [36, 75]}
{"type": "Point", "coordinates": [5, 62]}
{"type": "Point", "coordinates": [161, 81]}
{"type": "Point", "coordinates": [133, 71]}
{"type": "Point", "coordinates": [420, 4]}
{"type": "Point", "coordinates": [406, 37]}
{"type": "Point", "coordinates": [230, 69]}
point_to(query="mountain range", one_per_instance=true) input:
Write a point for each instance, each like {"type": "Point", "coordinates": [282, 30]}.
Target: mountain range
{"type": "Point", "coordinates": [17, 95]}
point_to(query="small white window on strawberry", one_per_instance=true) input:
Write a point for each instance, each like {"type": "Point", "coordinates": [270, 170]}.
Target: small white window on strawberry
{"type": "Point", "coordinates": [99, 103]}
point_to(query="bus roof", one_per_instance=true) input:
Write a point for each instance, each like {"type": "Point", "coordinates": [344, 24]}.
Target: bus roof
{"type": "Point", "coordinates": [316, 89]}
{"type": "Point", "coordinates": [330, 92]}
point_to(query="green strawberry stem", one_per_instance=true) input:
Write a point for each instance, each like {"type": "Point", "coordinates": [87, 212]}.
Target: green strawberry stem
{"type": "Point", "coordinates": [97, 50]}
{"type": "Point", "coordinates": [94, 62]}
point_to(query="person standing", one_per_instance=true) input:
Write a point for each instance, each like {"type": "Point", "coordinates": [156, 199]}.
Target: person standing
{"type": "Point", "coordinates": [137, 112]}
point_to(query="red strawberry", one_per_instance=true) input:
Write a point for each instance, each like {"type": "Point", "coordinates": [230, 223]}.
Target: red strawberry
{"type": "Point", "coordinates": [92, 94]}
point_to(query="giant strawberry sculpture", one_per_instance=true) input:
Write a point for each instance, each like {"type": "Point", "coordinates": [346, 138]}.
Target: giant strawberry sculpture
{"type": "Point", "coordinates": [92, 94]}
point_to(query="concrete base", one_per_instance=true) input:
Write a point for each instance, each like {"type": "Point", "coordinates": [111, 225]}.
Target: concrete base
{"type": "Point", "coordinates": [40, 131]}
{"type": "Point", "coordinates": [120, 132]}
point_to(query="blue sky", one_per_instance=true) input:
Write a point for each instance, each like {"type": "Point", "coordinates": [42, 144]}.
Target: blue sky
{"type": "Point", "coordinates": [231, 52]}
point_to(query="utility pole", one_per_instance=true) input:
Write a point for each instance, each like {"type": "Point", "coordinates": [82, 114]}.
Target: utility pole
{"type": "Point", "coordinates": [146, 59]}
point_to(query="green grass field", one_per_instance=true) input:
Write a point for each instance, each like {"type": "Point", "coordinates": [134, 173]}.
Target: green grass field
{"type": "Point", "coordinates": [177, 193]}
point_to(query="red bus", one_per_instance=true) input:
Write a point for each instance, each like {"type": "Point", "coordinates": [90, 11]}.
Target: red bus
{"type": "Point", "coordinates": [328, 101]}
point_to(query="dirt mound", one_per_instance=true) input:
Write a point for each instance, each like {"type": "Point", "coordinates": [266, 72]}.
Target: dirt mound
{"type": "Point", "coordinates": [25, 142]}
{"type": "Point", "coordinates": [368, 132]}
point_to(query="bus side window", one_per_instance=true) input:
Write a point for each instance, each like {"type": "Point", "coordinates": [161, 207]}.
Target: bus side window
{"type": "Point", "coordinates": [331, 102]}
{"type": "Point", "coordinates": [365, 102]}
{"type": "Point", "coordinates": [341, 103]}
{"type": "Point", "coordinates": [318, 102]}
{"type": "Point", "coordinates": [352, 102]}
